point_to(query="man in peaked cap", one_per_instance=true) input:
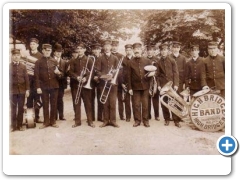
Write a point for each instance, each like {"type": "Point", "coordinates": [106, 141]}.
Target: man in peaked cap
{"type": "Point", "coordinates": [115, 46]}
{"type": "Point", "coordinates": [213, 75]}
{"type": "Point", "coordinates": [138, 86]}
{"type": "Point", "coordinates": [19, 88]}
{"type": "Point", "coordinates": [46, 77]}
{"type": "Point", "coordinates": [107, 64]}
{"type": "Point", "coordinates": [96, 51]}
{"type": "Point", "coordinates": [126, 95]}
{"type": "Point", "coordinates": [62, 66]}
{"type": "Point", "coordinates": [77, 67]}
{"type": "Point", "coordinates": [153, 99]}
{"type": "Point", "coordinates": [34, 99]}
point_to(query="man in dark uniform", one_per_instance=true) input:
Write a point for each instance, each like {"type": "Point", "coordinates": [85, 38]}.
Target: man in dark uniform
{"type": "Point", "coordinates": [126, 95]}
{"type": "Point", "coordinates": [138, 86]}
{"type": "Point", "coordinates": [62, 66]}
{"type": "Point", "coordinates": [181, 65]}
{"type": "Point", "coordinates": [106, 63]}
{"type": "Point", "coordinates": [167, 71]}
{"type": "Point", "coordinates": [46, 77]}
{"type": "Point", "coordinates": [96, 50]}
{"type": "Point", "coordinates": [115, 46]}
{"type": "Point", "coordinates": [213, 75]}
{"type": "Point", "coordinates": [34, 99]}
{"type": "Point", "coordinates": [77, 67]}
{"type": "Point", "coordinates": [153, 99]}
{"type": "Point", "coordinates": [194, 68]}
{"type": "Point", "coordinates": [74, 56]}
{"type": "Point", "coordinates": [19, 87]}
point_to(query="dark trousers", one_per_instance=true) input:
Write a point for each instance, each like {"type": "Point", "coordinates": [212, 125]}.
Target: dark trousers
{"type": "Point", "coordinates": [140, 105]}
{"type": "Point", "coordinates": [166, 113]}
{"type": "Point", "coordinates": [49, 95]}
{"type": "Point", "coordinates": [60, 104]}
{"type": "Point", "coordinates": [155, 101]}
{"type": "Point", "coordinates": [120, 102]}
{"type": "Point", "coordinates": [86, 97]}
{"type": "Point", "coordinates": [73, 99]}
{"type": "Point", "coordinates": [100, 116]}
{"type": "Point", "coordinates": [128, 106]}
{"type": "Point", "coordinates": [93, 101]}
{"type": "Point", "coordinates": [33, 96]}
{"type": "Point", "coordinates": [17, 103]}
{"type": "Point", "coordinates": [109, 108]}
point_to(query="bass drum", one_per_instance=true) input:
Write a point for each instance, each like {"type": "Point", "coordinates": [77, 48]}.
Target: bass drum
{"type": "Point", "coordinates": [207, 112]}
{"type": "Point", "coordinates": [29, 118]}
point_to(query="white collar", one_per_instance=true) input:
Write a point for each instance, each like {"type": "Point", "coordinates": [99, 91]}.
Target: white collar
{"type": "Point", "coordinates": [176, 54]}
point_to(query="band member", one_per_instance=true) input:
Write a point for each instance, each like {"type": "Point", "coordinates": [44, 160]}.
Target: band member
{"type": "Point", "coordinates": [96, 50]}
{"type": "Point", "coordinates": [62, 66]}
{"type": "Point", "coordinates": [107, 64]}
{"type": "Point", "coordinates": [115, 46]}
{"type": "Point", "coordinates": [194, 68]}
{"type": "Point", "coordinates": [138, 86]}
{"type": "Point", "coordinates": [34, 99]}
{"type": "Point", "coordinates": [181, 65]}
{"type": "Point", "coordinates": [155, 99]}
{"type": "Point", "coordinates": [74, 56]}
{"type": "Point", "coordinates": [126, 95]}
{"type": "Point", "coordinates": [214, 69]}
{"type": "Point", "coordinates": [19, 87]}
{"type": "Point", "coordinates": [167, 71]}
{"type": "Point", "coordinates": [80, 74]}
{"type": "Point", "coordinates": [46, 77]}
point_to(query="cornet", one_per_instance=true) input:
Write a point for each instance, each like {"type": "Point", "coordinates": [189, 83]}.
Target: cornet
{"type": "Point", "coordinates": [82, 74]}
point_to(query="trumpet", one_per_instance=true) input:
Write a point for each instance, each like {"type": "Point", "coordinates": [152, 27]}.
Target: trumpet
{"type": "Point", "coordinates": [82, 74]}
{"type": "Point", "coordinates": [108, 86]}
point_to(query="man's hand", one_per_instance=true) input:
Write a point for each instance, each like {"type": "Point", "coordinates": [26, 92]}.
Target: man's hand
{"type": "Point", "coordinates": [56, 71]}
{"type": "Point", "coordinates": [39, 91]}
{"type": "Point", "coordinates": [159, 88]}
{"type": "Point", "coordinates": [131, 92]}
{"type": "Point", "coordinates": [27, 93]}
{"type": "Point", "coordinates": [175, 88]}
{"type": "Point", "coordinates": [95, 78]}
{"type": "Point", "coordinates": [84, 80]}
{"type": "Point", "coordinates": [205, 87]}
{"type": "Point", "coordinates": [124, 87]}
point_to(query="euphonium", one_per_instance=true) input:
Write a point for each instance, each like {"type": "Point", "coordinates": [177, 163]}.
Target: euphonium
{"type": "Point", "coordinates": [171, 100]}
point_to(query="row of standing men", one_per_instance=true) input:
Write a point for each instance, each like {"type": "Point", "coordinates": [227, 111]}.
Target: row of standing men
{"type": "Point", "coordinates": [50, 80]}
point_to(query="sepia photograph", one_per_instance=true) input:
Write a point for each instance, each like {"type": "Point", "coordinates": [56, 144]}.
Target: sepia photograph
{"type": "Point", "coordinates": [116, 82]}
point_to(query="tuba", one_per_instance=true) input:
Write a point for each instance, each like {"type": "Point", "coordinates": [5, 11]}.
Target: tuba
{"type": "Point", "coordinates": [82, 74]}
{"type": "Point", "coordinates": [171, 100]}
{"type": "Point", "coordinates": [108, 85]}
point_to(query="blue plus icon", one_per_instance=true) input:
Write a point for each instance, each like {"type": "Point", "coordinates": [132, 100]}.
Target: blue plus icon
{"type": "Point", "coordinates": [227, 145]}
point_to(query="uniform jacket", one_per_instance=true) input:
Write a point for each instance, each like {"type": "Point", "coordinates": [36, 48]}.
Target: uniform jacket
{"type": "Point", "coordinates": [77, 66]}
{"type": "Point", "coordinates": [193, 76]}
{"type": "Point", "coordinates": [19, 81]}
{"type": "Point", "coordinates": [214, 72]}
{"type": "Point", "coordinates": [167, 71]}
{"type": "Point", "coordinates": [136, 74]}
{"type": "Point", "coordinates": [63, 66]}
{"type": "Point", "coordinates": [45, 78]}
{"type": "Point", "coordinates": [153, 59]}
{"type": "Point", "coordinates": [126, 60]}
{"type": "Point", "coordinates": [181, 64]}
{"type": "Point", "coordinates": [104, 64]}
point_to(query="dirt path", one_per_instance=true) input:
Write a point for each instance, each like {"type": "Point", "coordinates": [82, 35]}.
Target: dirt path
{"type": "Point", "coordinates": [126, 140]}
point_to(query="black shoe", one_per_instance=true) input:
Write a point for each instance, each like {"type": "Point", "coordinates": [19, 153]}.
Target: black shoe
{"type": "Point", "coordinates": [37, 120]}
{"type": "Point", "coordinates": [146, 124]}
{"type": "Point", "coordinates": [21, 129]}
{"type": "Point", "coordinates": [157, 119]}
{"type": "Point", "coordinates": [100, 120]}
{"type": "Point", "coordinates": [43, 126]}
{"type": "Point", "coordinates": [136, 124]}
{"type": "Point", "coordinates": [76, 125]}
{"type": "Point", "coordinates": [104, 124]}
{"type": "Point", "coordinates": [114, 124]}
{"type": "Point", "coordinates": [166, 123]}
{"type": "Point", "coordinates": [128, 120]}
{"type": "Point", "coordinates": [13, 129]}
{"type": "Point", "coordinates": [62, 119]}
{"type": "Point", "coordinates": [178, 125]}
{"type": "Point", "coordinates": [91, 125]}
{"type": "Point", "coordinates": [122, 118]}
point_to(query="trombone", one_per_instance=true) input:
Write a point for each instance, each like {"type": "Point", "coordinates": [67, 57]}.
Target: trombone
{"type": "Point", "coordinates": [108, 86]}
{"type": "Point", "coordinates": [82, 74]}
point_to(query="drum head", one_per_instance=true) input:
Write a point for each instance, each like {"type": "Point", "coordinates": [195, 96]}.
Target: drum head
{"type": "Point", "coordinates": [150, 68]}
{"type": "Point", "coordinates": [200, 93]}
{"type": "Point", "coordinates": [207, 112]}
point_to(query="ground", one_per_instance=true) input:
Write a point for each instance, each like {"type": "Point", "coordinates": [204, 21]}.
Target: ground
{"type": "Point", "coordinates": [126, 140]}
